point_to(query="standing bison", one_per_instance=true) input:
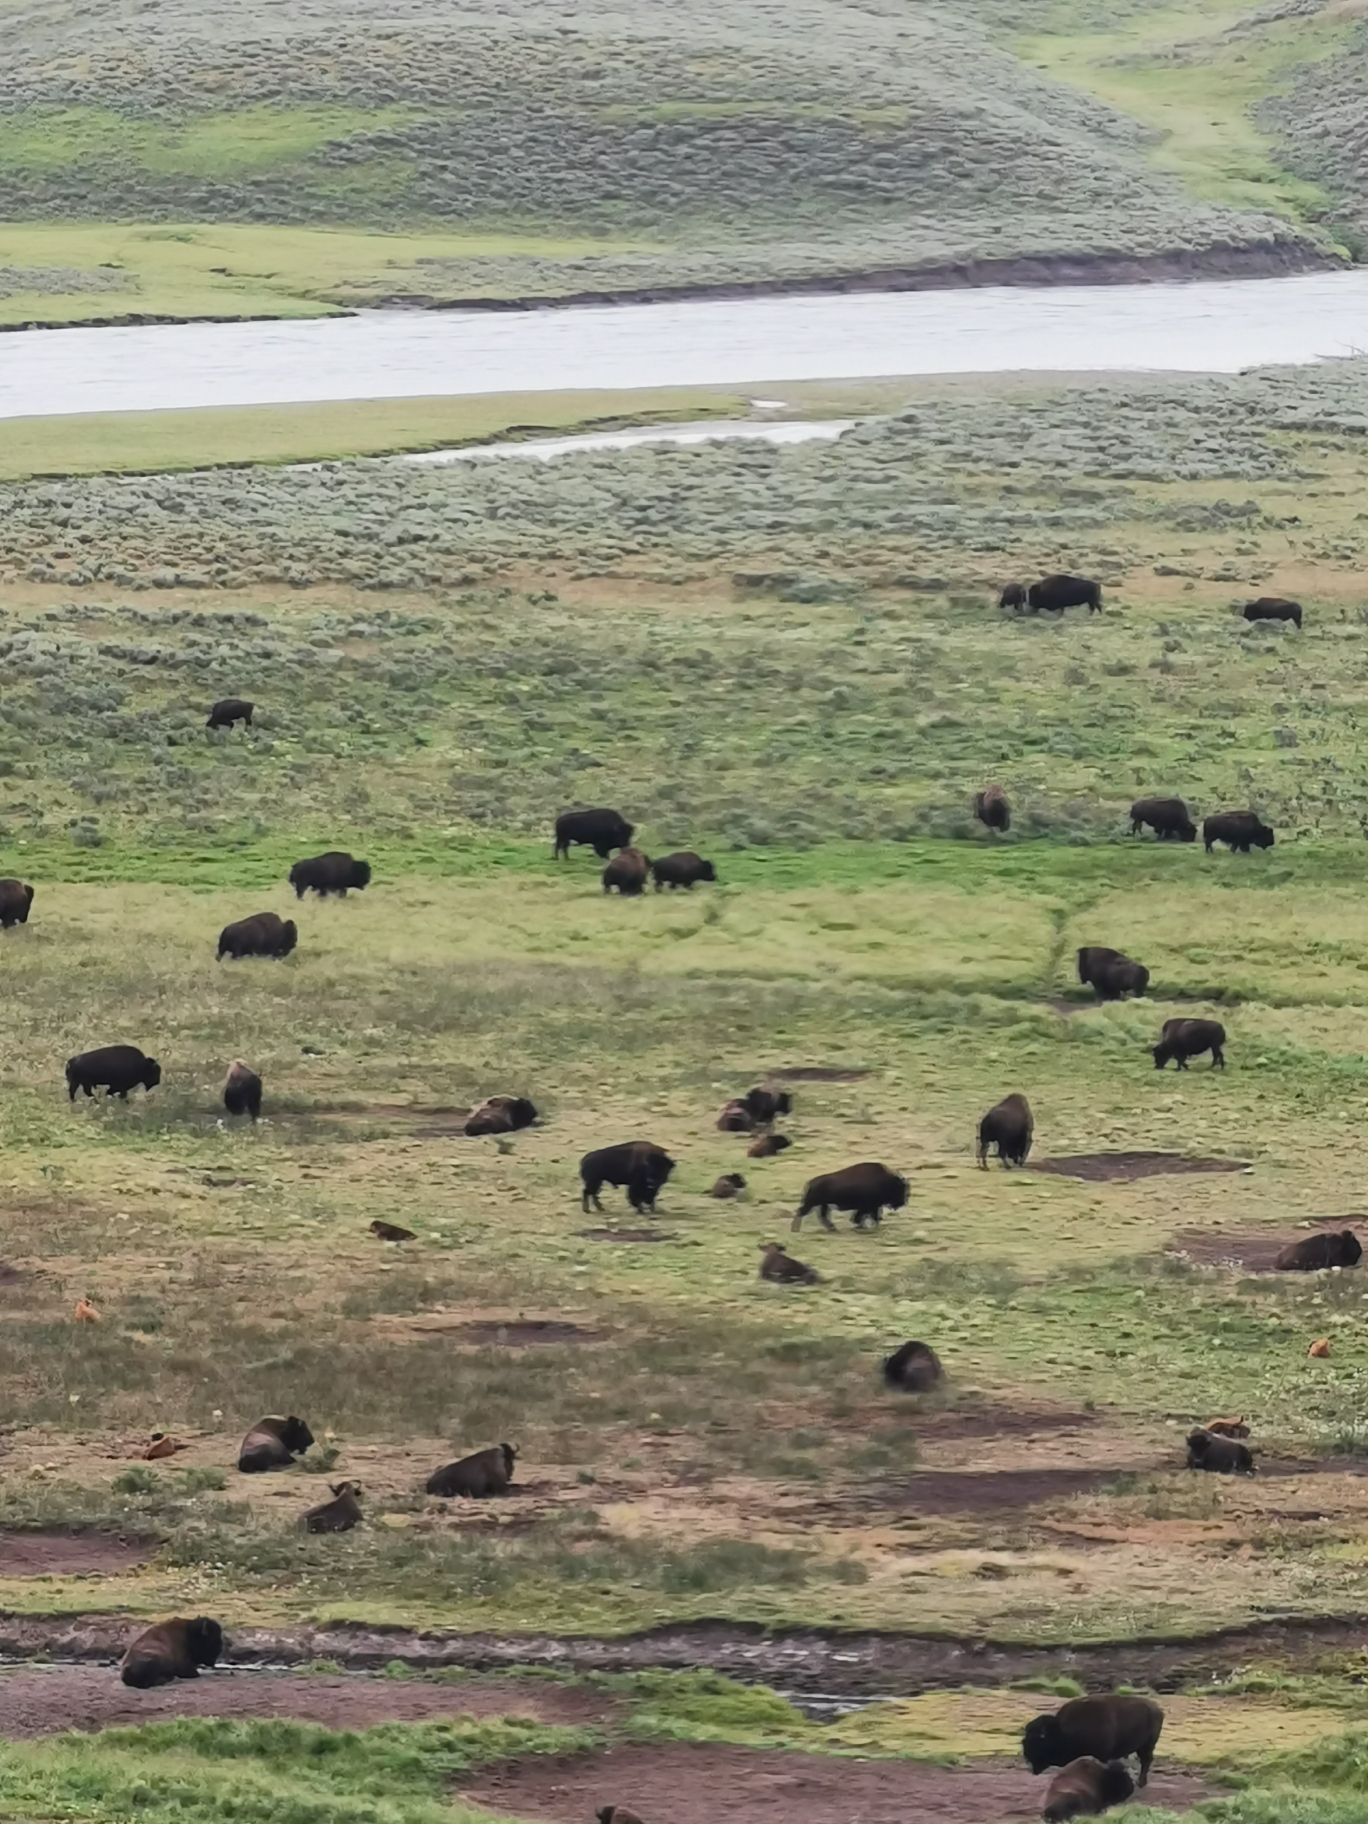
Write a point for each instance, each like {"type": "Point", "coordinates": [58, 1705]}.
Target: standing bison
{"type": "Point", "coordinates": [992, 809]}
{"type": "Point", "coordinates": [1239, 830]}
{"type": "Point", "coordinates": [601, 830]}
{"type": "Point", "coordinates": [263, 934]}
{"type": "Point", "coordinates": [15, 900]}
{"type": "Point", "coordinates": [1109, 974]}
{"type": "Point", "coordinates": [1010, 1127]}
{"type": "Point", "coordinates": [1167, 817]}
{"type": "Point", "coordinates": [113, 1068]}
{"type": "Point", "coordinates": [335, 872]}
{"type": "Point", "coordinates": [1056, 593]}
{"type": "Point", "coordinates": [628, 871]}
{"type": "Point", "coordinates": [640, 1165]}
{"type": "Point", "coordinates": [1184, 1039]}
{"type": "Point", "coordinates": [1112, 1728]}
{"type": "Point", "coordinates": [682, 870]}
{"type": "Point", "coordinates": [1274, 608]}
{"type": "Point", "coordinates": [229, 710]}
{"type": "Point", "coordinates": [866, 1190]}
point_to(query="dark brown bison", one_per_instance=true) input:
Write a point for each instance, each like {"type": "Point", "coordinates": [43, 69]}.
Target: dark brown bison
{"type": "Point", "coordinates": [390, 1231]}
{"type": "Point", "coordinates": [866, 1190]}
{"type": "Point", "coordinates": [1013, 597]}
{"type": "Point", "coordinates": [1184, 1039]}
{"type": "Point", "coordinates": [640, 1165]}
{"type": "Point", "coordinates": [335, 872]}
{"type": "Point", "coordinates": [628, 871]}
{"type": "Point", "coordinates": [1316, 1251]}
{"type": "Point", "coordinates": [485, 1472]}
{"type": "Point", "coordinates": [1056, 593]}
{"type": "Point", "coordinates": [1239, 830]}
{"type": "Point", "coordinates": [602, 831]}
{"type": "Point", "coordinates": [1110, 1728]}
{"type": "Point", "coordinates": [766, 1105]}
{"type": "Point", "coordinates": [914, 1368]}
{"type": "Point", "coordinates": [1274, 608]}
{"type": "Point", "coordinates": [339, 1515]}
{"type": "Point", "coordinates": [765, 1146]}
{"type": "Point", "coordinates": [1010, 1127]}
{"type": "Point", "coordinates": [229, 710]}
{"type": "Point", "coordinates": [730, 1184]}
{"type": "Point", "coordinates": [1167, 817]}
{"type": "Point", "coordinates": [1085, 1789]}
{"type": "Point", "coordinates": [114, 1068]}
{"type": "Point", "coordinates": [501, 1115]}
{"type": "Point", "coordinates": [682, 870]}
{"type": "Point", "coordinates": [273, 1444]}
{"type": "Point", "coordinates": [992, 808]}
{"type": "Point", "coordinates": [1109, 974]}
{"type": "Point", "coordinates": [778, 1265]}
{"type": "Point", "coordinates": [1221, 1456]}
{"type": "Point", "coordinates": [170, 1650]}
{"type": "Point", "coordinates": [15, 900]}
{"type": "Point", "coordinates": [242, 1090]}
{"type": "Point", "coordinates": [616, 1814]}
{"type": "Point", "coordinates": [736, 1118]}
{"type": "Point", "coordinates": [262, 934]}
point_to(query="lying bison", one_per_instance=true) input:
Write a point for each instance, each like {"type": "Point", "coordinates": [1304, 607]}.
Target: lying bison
{"type": "Point", "coordinates": [335, 872]}
{"type": "Point", "coordinates": [1315, 1252]}
{"type": "Point", "coordinates": [273, 1444]}
{"type": "Point", "coordinates": [1109, 974]}
{"type": "Point", "coordinates": [640, 1165]}
{"type": "Point", "coordinates": [263, 934]}
{"type": "Point", "coordinates": [1167, 817]}
{"type": "Point", "coordinates": [992, 809]}
{"type": "Point", "coordinates": [779, 1266]}
{"type": "Point", "coordinates": [1111, 1728]}
{"type": "Point", "coordinates": [501, 1115]}
{"type": "Point", "coordinates": [1274, 608]}
{"type": "Point", "coordinates": [229, 710]}
{"type": "Point", "coordinates": [15, 900]}
{"type": "Point", "coordinates": [1239, 830]}
{"type": "Point", "coordinates": [1219, 1456]}
{"type": "Point", "coordinates": [602, 831]}
{"type": "Point", "coordinates": [113, 1068]}
{"type": "Point", "coordinates": [170, 1650]}
{"type": "Point", "coordinates": [866, 1190]}
{"type": "Point", "coordinates": [628, 871]}
{"type": "Point", "coordinates": [1009, 1127]}
{"type": "Point", "coordinates": [914, 1368]}
{"type": "Point", "coordinates": [1085, 1789]}
{"type": "Point", "coordinates": [1184, 1039]}
{"type": "Point", "coordinates": [682, 870]}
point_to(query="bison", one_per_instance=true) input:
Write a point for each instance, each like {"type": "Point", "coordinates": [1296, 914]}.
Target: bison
{"type": "Point", "coordinates": [114, 1068]}
{"type": "Point", "coordinates": [736, 1118]}
{"type": "Point", "coordinates": [1110, 974]}
{"type": "Point", "coordinates": [730, 1184]}
{"type": "Point", "coordinates": [1013, 597]}
{"type": "Point", "coordinates": [1167, 817]}
{"type": "Point", "coordinates": [765, 1146]}
{"type": "Point", "coordinates": [866, 1190]}
{"type": "Point", "coordinates": [992, 809]}
{"type": "Point", "coordinates": [501, 1115]}
{"type": "Point", "coordinates": [602, 831]}
{"type": "Point", "coordinates": [640, 1165]}
{"type": "Point", "coordinates": [339, 1515]}
{"type": "Point", "coordinates": [1111, 1728]}
{"type": "Point", "coordinates": [1316, 1251]}
{"type": "Point", "coordinates": [15, 900]}
{"type": "Point", "coordinates": [682, 870]}
{"type": "Point", "coordinates": [1009, 1127]}
{"type": "Point", "coordinates": [1085, 1789]}
{"type": "Point", "coordinates": [914, 1368]}
{"type": "Point", "coordinates": [335, 872]}
{"type": "Point", "coordinates": [242, 1090]}
{"type": "Point", "coordinates": [483, 1473]}
{"type": "Point", "coordinates": [1056, 593]}
{"type": "Point", "coordinates": [1239, 830]}
{"type": "Point", "coordinates": [229, 710]}
{"type": "Point", "coordinates": [261, 934]}
{"type": "Point", "coordinates": [1221, 1456]}
{"type": "Point", "coordinates": [766, 1105]}
{"type": "Point", "coordinates": [170, 1650]}
{"type": "Point", "coordinates": [273, 1444]}
{"type": "Point", "coordinates": [1274, 608]}
{"type": "Point", "coordinates": [1184, 1039]}
{"type": "Point", "coordinates": [777, 1265]}
{"type": "Point", "coordinates": [627, 871]}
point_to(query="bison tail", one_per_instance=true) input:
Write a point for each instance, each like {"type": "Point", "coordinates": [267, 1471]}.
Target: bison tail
{"type": "Point", "coordinates": [797, 1222]}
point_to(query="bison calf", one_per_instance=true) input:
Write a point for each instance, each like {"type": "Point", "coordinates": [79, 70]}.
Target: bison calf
{"type": "Point", "coordinates": [483, 1473]}
{"type": "Point", "coordinates": [15, 900]}
{"type": "Point", "coordinates": [1184, 1039]}
{"type": "Point", "coordinates": [628, 872]}
{"type": "Point", "coordinates": [682, 870]}
{"type": "Point", "coordinates": [339, 1515]}
{"type": "Point", "coordinates": [1167, 817]}
{"type": "Point", "coordinates": [780, 1267]}
{"type": "Point", "coordinates": [1085, 1789]}
{"type": "Point", "coordinates": [1110, 1728]}
{"type": "Point", "coordinates": [1221, 1456]}
{"type": "Point", "coordinates": [114, 1068]}
{"type": "Point", "coordinates": [866, 1190]}
{"type": "Point", "coordinates": [992, 809]}
{"type": "Point", "coordinates": [1317, 1251]}
{"type": "Point", "coordinates": [1009, 1127]}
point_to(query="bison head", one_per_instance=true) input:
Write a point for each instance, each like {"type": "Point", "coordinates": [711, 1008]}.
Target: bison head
{"type": "Point", "coordinates": [360, 874]}
{"type": "Point", "coordinates": [289, 936]}
{"type": "Point", "coordinates": [296, 1436]}
{"type": "Point", "coordinates": [898, 1195]}
{"type": "Point", "coordinates": [1013, 596]}
{"type": "Point", "coordinates": [1042, 1743]}
{"type": "Point", "coordinates": [205, 1640]}
{"type": "Point", "coordinates": [1116, 1784]}
{"type": "Point", "coordinates": [706, 871]}
{"type": "Point", "coordinates": [1262, 837]}
{"type": "Point", "coordinates": [151, 1073]}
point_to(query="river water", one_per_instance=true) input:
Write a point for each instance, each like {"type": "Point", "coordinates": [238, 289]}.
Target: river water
{"type": "Point", "coordinates": [1218, 326]}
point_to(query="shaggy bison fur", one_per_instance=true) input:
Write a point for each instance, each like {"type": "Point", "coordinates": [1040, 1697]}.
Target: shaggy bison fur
{"type": "Point", "coordinates": [262, 934]}
{"type": "Point", "coordinates": [1184, 1039]}
{"type": "Point", "coordinates": [15, 900]}
{"type": "Point", "coordinates": [640, 1165]}
{"type": "Point", "coordinates": [914, 1368]}
{"type": "Point", "coordinates": [866, 1190]}
{"type": "Point", "coordinates": [113, 1068]}
{"type": "Point", "coordinates": [1110, 1728]}
{"type": "Point", "coordinates": [273, 1444]}
{"type": "Point", "coordinates": [779, 1266]}
{"type": "Point", "coordinates": [483, 1473]}
{"type": "Point", "coordinates": [1009, 1127]}
{"type": "Point", "coordinates": [602, 831]}
{"type": "Point", "coordinates": [730, 1184]}
{"type": "Point", "coordinates": [339, 1515]}
{"type": "Point", "coordinates": [336, 872]}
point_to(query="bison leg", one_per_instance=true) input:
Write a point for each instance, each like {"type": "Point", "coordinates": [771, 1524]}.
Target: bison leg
{"type": "Point", "coordinates": [1181, 1061]}
{"type": "Point", "coordinates": [1217, 1058]}
{"type": "Point", "coordinates": [825, 1218]}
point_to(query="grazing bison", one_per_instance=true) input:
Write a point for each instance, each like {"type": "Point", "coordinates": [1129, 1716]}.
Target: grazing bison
{"type": "Point", "coordinates": [640, 1165]}
{"type": "Point", "coordinates": [765, 1146]}
{"type": "Point", "coordinates": [915, 1368]}
{"type": "Point", "coordinates": [1221, 1456]}
{"type": "Point", "coordinates": [390, 1231]}
{"type": "Point", "coordinates": [866, 1190]}
{"type": "Point", "coordinates": [263, 934]}
{"type": "Point", "coordinates": [501, 1115]}
{"type": "Point", "coordinates": [273, 1444]}
{"type": "Point", "coordinates": [484, 1473]}
{"type": "Point", "coordinates": [628, 872]}
{"type": "Point", "coordinates": [682, 870]}
{"type": "Point", "coordinates": [229, 710]}
{"type": "Point", "coordinates": [114, 1068]}
{"type": "Point", "coordinates": [1086, 1788]}
{"type": "Point", "coordinates": [1167, 817]}
{"type": "Point", "coordinates": [1274, 608]}
{"type": "Point", "coordinates": [1110, 1728]}
{"type": "Point", "coordinates": [242, 1090]}
{"type": "Point", "coordinates": [1239, 830]}
{"type": "Point", "coordinates": [1009, 1127]}
{"type": "Point", "coordinates": [1316, 1251]}
{"type": "Point", "coordinates": [992, 809]}
{"type": "Point", "coordinates": [730, 1184]}
{"type": "Point", "coordinates": [602, 831]}
{"type": "Point", "coordinates": [1184, 1039]}
{"type": "Point", "coordinates": [783, 1269]}
{"type": "Point", "coordinates": [15, 900]}
{"type": "Point", "coordinates": [170, 1650]}
{"type": "Point", "coordinates": [339, 1515]}
{"type": "Point", "coordinates": [1014, 597]}
{"type": "Point", "coordinates": [1110, 974]}
{"type": "Point", "coordinates": [1056, 593]}
{"type": "Point", "coordinates": [335, 872]}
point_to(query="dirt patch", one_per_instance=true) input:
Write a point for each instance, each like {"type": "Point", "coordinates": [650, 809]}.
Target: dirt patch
{"type": "Point", "coordinates": [816, 1073]}
{"type": "Point", "coordinates": [996, 1491]}
{"type": "Point", "coordinates": [521, 1334]}
{"type": "Point", "coordinates": [1254, 1250]}
{"type": "Point", "coordinates": [1108, 1168]}
{"type": "Point", "coordinates": [69, 1555]}
{"type": "Point", "coordinates": [626, 1235]}
{"type": "Point", "coordinates": [39, 1700]}
{"type": "Point", "coordinates": [695, 1783]}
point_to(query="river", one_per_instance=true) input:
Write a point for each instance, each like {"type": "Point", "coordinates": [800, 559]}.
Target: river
{"type": "Point", "coordinates": [1207, 326]}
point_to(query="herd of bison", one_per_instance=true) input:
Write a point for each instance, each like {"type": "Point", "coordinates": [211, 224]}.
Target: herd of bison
{"type": "Point", "coordinates": [1091, 1738]}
